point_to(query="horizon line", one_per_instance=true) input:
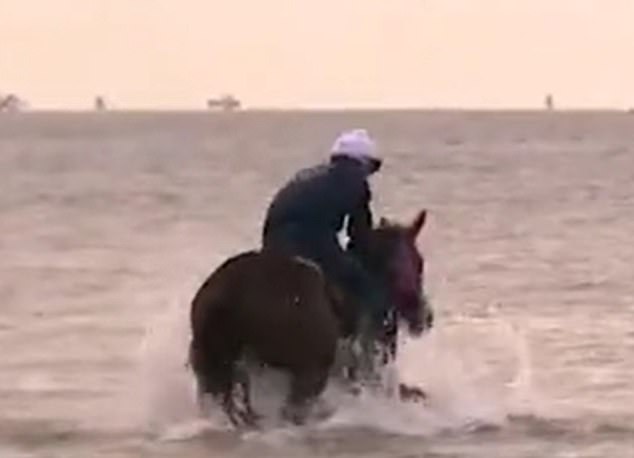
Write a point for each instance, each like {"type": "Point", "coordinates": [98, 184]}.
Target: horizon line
{"type": "Point", "coordinates": [252, 109]}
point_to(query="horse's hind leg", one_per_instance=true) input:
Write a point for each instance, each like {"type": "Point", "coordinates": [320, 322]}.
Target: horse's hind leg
{"type": "Point", "coordinates": [216, 383]}
{"type": "Point", "coordinates": [215, 376]}
{"type": "Point", "coordinates": [223, 387]}
{"type": "Point", "coordinates": [306, 385]}
{"type": "Point", "coordinates": [249, 415]}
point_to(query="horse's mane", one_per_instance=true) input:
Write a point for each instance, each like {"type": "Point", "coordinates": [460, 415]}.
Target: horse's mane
{"type": "Point", "coordinates": [388, 225]}
{"type": "Point", "coordinates": [372, 248]}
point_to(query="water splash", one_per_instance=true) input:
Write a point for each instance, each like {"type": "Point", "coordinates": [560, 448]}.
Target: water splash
{"type": "Point", "coordinates": [477, 372]}
{"type": "Point", "coordinates": [163, 381]}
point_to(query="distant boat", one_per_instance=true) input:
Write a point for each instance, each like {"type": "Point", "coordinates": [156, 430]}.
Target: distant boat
{"type": "Point", "coordinates": [549, 102]}
{"type": "Point", "coordinates": [224, 103]}
{"type": "Point", "coordinates": [100, 104]}
{"type": "Point", "coordinates": [11, 103]}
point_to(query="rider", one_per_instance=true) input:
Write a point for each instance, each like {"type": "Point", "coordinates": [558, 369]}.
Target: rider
{"type": "Point", "coordinates": [307, 214]}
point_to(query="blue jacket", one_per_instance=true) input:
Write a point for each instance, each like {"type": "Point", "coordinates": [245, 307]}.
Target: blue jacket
{"type": "Point", "coordinates": [317, 201]}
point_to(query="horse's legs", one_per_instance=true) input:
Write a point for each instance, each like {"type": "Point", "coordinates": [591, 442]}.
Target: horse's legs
{"type": "Point", "coordinates": [306, 385]}
{"type": "Point", "coordinates": [237, 378]}
{"type": "Point", "coordinates": [218, 381]}
{"type": "Point", "coordinates": [215, 370]}
{"type": "Point", "coordinates": [390, 337]}
{"type": "Point", "coordinates": [411, 393]}
{"type": "Point", "coordinates": [249, 415]}
{"type": "Point", "coordinates": [345, 369]}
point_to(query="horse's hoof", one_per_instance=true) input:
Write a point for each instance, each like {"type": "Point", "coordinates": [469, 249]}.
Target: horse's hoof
{"type": "Point", "coordinates": [411, 393]}
{"type": "Point", "coordinates": [241, 421]}
{"type": "Point", "coordinates": [321, 411]}
{"type": "Point", "coordinates": [252, 419]}
{"type": "Point", "coordinates": [354, 390]}
{"type": "Point", "coordinates": [295, 415]}
{"type": "Point", "coordinates": [244, 419]}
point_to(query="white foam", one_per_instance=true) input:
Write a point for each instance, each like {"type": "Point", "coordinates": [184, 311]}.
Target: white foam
{"type": "Point", "coordinates": [163, 384]}
{"type": "Point", "coordinates": [452, 363]}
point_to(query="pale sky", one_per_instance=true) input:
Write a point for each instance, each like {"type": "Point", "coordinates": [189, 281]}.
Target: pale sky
{"type": "Point", "coordinates": [319, 53]}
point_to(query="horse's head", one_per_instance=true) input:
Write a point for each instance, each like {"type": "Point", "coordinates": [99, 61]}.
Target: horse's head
{"type": "Point", "coordinates": [392, 255]}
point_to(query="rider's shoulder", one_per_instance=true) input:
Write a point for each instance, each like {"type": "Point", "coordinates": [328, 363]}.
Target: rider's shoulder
{"type": "Point", "coordinates": [310, 173]}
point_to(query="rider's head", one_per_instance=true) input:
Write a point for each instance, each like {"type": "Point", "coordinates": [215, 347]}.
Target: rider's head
{"type": "Point", "coordinates": [358, 146]}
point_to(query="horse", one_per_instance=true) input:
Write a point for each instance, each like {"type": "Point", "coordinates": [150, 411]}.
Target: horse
{"type": "Point", "coordinates": [283, 312]}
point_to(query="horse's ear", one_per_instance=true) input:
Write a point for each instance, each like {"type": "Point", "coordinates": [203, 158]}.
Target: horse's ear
{"type": "Point", "coordinates": [418, 223]}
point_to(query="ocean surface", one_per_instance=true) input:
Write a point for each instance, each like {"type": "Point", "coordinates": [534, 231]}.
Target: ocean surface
{"type": "Point", "coordinates": [109, 222]}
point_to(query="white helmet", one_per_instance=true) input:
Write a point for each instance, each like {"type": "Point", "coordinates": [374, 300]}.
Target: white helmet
{"type": "Point", "coordinates": [358, 145]}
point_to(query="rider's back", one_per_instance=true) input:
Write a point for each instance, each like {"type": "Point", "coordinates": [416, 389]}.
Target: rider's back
{"type": "Point", "coordinates": [317, 199]}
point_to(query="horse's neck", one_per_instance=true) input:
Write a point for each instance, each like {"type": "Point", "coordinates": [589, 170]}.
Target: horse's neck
{"type": "Point", "coordinates": [374, 267]}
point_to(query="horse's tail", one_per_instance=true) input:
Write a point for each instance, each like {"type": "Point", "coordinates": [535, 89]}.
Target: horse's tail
{"type": "Point", "coordinates": [197, 356]}
{"type": "Point", "coordinates": [211, 307]}
{"type": "Point", "coordinates": [190, 360]}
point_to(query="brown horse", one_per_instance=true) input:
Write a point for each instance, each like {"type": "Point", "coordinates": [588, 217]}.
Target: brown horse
{"type": "Point", "coordinates": [282, 312]}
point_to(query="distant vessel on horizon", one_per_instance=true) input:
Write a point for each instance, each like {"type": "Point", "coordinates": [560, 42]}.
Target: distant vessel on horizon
{"type": "Point", "coordinates": [549, 102]}
{"type": "Point", "coordinates": [100, 103]}
{"type": "Point", "coordinates": [11, 103]}
{"type": "Point", "coordinates": [226, 102]}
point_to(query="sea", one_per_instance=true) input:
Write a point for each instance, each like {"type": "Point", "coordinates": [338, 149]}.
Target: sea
{"type": "Point", "coordinates": [110, 221]}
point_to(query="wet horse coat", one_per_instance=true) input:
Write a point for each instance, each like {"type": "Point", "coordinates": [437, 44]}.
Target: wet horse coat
{"type": "Point", "coordinates": [283, 312]}
{"type": "Point", "coordinates": [275, 309]}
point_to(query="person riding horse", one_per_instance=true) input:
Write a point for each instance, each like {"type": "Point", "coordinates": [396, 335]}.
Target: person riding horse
{"type": "Point", "coordinates": [308, 212]}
